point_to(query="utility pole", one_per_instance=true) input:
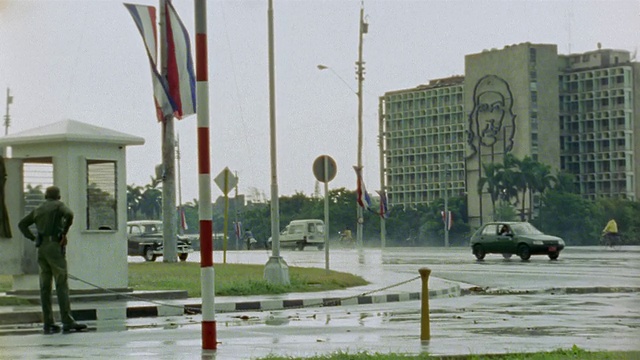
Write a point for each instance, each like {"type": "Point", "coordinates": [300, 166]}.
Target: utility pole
{"type": "Point", "coordinates": [168, 160]}
{"type": "Point", "coordinates": [360, 77]}
{"type": "Point", "coordinates": [7, 118]}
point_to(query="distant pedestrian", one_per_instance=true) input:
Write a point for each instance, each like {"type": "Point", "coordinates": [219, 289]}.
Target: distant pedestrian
{"type": "Point", "coordinates": [53, 220]}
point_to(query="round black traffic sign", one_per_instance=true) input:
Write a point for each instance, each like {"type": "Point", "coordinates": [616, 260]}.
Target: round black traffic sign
{"type": "Point", "coordinates": [320, 164]}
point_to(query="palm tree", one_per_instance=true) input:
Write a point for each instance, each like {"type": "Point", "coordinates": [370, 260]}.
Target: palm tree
{"type": "Point", "coordinates": [541, 181]}
{"type": "Point", "coordinates": [151, 200]}
{"type": "Point", "coordinates": [564, 182]}
{"type": "Point", "coordinates": [492, 181]}
{"type": "Point", "coordinates": [510, 179]}
{"type": "Point", "coordinates": [526, 168]}
{"type": "Point", "coordinates": [134, 198]}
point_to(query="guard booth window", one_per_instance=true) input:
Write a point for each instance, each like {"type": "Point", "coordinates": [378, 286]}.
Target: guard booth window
{"type": "Point", "coordinates": [38, 176]}
{"type": "Point", "coordinates": [101, 195]}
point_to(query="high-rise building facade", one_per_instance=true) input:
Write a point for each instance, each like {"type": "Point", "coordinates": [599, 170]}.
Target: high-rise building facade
{"type": "Point", "coordinates": [576, 113]}
{"type": "Point", "coordinates": [600, 122]}
{"type": "Point", "coordinates": [424, 140]}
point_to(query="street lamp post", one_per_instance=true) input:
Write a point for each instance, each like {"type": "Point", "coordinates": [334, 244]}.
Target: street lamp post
{"type": "Point", "coordinates": [360, 77]}
{"type": "Point", "coordinates": [276, 270]}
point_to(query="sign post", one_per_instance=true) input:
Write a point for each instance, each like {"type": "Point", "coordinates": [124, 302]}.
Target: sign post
{"type": "Point", "coordinates": [225, 181]}
{"type": "Point", "coordinates": [324, 169]}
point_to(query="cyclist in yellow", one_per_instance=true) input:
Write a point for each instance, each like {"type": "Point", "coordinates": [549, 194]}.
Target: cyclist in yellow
{"type": "Point", "coordinates": [610, 233]}
{"type": "Point", "coordinates": [346, 238]}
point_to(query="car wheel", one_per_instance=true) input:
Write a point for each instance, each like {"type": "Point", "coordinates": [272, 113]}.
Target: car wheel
{"type": "Point", "coordinates": [183, 257]}
{"type": "Point", "coordinates": [524, 252]}
{"type": "Point", "coordinates": [148, 254]}
{"type": "Point", "coordinates": [300, 245]}
{"type": "Point", "coordinates": [554, 255]}
{"type": "Point", "coordinates": [506, 256]}
{"type": "Point", "coordinates": [479, 252]}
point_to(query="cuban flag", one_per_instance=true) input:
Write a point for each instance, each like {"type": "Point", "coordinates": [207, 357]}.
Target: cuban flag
{"type": "Point", "coordinates": [180, 74]}
{"type": "Point", "coordinates": [183, 219]}
{"type": "Point", "coordinates": [384, 208]}
{"type": "Point", "coordinates": [363, 198]}
{"type": "Point", "coordinates": [238, 229]}
{"type": "Point", "coordinates": [447, 219]}
{"type": "Point", "coordinates": [145, 19]}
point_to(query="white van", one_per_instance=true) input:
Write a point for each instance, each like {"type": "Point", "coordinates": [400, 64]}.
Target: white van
{"type": "Point", "coordinates": [301, 233]}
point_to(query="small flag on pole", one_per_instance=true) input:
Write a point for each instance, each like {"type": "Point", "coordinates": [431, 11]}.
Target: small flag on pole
{"type": "Point", "coordinates": [238, 229]}
{"type": "Point", "coordinates": [447, 219]}
{"type": "Point", "coordinates": [183, 219]}
{"type": "Point", "coordinates": [384, 209]}
{"type": "Point", "coordinates": [363, 198]}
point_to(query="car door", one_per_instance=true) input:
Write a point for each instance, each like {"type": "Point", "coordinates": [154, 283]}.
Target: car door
{"type": "Point", "coordinates": [489, 237]}
{"type": "Point", "coordinates": [504, 241]}
{"type": "Point", "coordinates": [133, 231]}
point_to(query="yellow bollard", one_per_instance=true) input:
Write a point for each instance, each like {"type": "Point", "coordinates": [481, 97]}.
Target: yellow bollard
{"type": "Point", "coordinates": [425, 333]}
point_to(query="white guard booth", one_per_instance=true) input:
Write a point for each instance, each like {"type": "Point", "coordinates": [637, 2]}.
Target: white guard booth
{"type": "Point", "coordinates": [88, 164]}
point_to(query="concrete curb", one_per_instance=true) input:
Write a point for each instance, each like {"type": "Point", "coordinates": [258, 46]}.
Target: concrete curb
{"type": "Point", "coordinates": [553, 291]}
{"type": "Point", "coordinates": [114, 311]}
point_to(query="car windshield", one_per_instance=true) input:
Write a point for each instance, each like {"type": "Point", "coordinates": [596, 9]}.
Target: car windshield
{"type": "Point", "coordinates": [525, 229]}
{"type": "Point", "coordinates": [155, 228]}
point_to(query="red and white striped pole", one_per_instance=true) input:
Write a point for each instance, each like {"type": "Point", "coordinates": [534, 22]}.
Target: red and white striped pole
{"type": "Point", "coordinates": [207, 274]}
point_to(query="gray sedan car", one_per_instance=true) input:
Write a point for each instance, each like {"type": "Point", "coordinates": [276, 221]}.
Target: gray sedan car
{"type": "Point", "coordinates": [508, 238]}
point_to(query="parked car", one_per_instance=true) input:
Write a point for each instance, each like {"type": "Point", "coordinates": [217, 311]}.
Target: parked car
{"type": "Point", "coordinates": [508, 238]}
{"type": "Point", "coordinates": [301, 233]}
{"type": "Point", "coordinates": [144, 238]}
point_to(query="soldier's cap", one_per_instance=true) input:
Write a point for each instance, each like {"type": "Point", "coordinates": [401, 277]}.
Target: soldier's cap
{"type": "Point", "coordinates": [52, 192]}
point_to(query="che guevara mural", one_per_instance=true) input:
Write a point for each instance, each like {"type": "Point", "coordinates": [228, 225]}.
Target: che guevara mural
{"type": "Point", "coordinates": [491, 121]}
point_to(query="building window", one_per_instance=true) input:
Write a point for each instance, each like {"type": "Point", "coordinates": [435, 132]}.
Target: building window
{"type": "Point", "coordinates": [101, 195]}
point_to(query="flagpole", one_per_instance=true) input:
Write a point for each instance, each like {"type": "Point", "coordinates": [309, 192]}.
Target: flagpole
{"type": "Point", "coordinates": [383, 222]}
{"type": "Point", "coordinates": [207, 274]}
{"type": "Point", "coordinates": [446, 202]}
{"type": "Point", "coordinates": [168, 159]}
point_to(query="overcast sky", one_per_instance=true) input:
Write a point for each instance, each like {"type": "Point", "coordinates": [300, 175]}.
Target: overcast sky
{"type": "Point", "coordinates": [84, 60]}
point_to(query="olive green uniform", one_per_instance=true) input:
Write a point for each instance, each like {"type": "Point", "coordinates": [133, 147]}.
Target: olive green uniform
{"type": "Point", "coordinates": [52, 219]}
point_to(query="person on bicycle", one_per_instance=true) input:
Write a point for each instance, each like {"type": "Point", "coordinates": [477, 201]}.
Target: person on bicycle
{"type": "Point", "coordinates": [346, 236]}
{"type": "Point", "coordinates": [610, 232]}
{"type": "Point", "coordinates": [248, 238]}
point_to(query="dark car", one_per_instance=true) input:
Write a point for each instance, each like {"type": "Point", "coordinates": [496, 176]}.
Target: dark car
{"type": "Point", "coordinates": [520, 238]}
{"type": "Point", "coordinates": [144, 238]}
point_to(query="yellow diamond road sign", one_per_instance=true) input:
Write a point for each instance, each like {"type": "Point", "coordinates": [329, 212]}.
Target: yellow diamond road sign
{"type": "Point", "coordinates": [226, 180]}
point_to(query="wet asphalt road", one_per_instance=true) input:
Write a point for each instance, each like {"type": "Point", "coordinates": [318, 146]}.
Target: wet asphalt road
{"type": "Point", "coordinates": [533, 312]}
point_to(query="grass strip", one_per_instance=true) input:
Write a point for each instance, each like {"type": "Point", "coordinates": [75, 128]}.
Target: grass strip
{"type": "Point", "coordinates": [573, 353]}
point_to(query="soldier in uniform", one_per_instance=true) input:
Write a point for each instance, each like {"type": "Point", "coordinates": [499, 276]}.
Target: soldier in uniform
{"type": "Point", "coordinates": [53, 220]}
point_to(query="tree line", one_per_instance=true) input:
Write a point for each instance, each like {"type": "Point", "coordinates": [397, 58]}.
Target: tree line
{"type": "Point", "coordinates": [552, 204]}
